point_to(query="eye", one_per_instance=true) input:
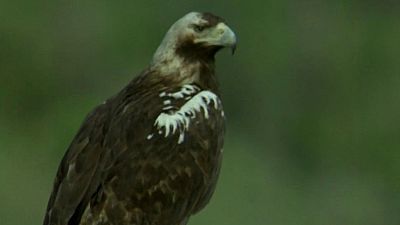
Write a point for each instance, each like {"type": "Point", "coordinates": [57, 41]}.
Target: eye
{"type": "Point", "coordinates": [198, 28]}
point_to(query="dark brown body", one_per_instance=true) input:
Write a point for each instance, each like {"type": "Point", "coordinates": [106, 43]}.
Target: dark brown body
{"type": "Point", "coordinates": [128, 163]}
{"type": "Point", "coordinates": [129, 179]}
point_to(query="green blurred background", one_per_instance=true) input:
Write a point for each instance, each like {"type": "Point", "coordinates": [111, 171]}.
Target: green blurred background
{"type": "Point", "coordinates": [312, 99]}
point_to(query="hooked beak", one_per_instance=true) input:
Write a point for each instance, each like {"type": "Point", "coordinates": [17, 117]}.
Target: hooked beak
{"type": "Point", "coordinates": [222, 36]}
{"type": "Point", "coordinates": [228, 37]}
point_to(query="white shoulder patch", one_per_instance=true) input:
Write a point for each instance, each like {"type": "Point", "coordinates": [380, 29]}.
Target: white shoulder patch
{"type": "Point", "coordinates": [186, 90]}
{"type": "Point", "coordinates": [179, 121]}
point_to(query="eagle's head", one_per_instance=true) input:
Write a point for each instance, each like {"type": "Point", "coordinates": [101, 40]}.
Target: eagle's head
{"type": "Point", "coordinates": [194, 38]}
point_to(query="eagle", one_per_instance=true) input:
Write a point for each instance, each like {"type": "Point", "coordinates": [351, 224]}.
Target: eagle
{"type": "Point", "coordinates": [151, 154]}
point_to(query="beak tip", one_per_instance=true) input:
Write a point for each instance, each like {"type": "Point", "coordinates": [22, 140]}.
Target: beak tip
{"type": "Point", "coordinates": [233, 49]}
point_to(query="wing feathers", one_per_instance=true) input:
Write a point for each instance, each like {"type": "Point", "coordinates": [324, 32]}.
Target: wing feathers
{"type": "Point", "coordinates": [75, 174]}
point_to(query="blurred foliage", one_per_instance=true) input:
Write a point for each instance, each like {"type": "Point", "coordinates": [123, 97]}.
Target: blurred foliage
{"type": "Point", "coordinates": [312, 98]}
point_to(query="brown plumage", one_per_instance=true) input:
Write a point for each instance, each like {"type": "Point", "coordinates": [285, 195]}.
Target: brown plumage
{"type": "Point", "coordinates": [151, 154]}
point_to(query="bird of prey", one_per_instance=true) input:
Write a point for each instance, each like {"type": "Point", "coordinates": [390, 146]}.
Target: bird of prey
{"type": "Point", "coordinates": [151, 154]}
